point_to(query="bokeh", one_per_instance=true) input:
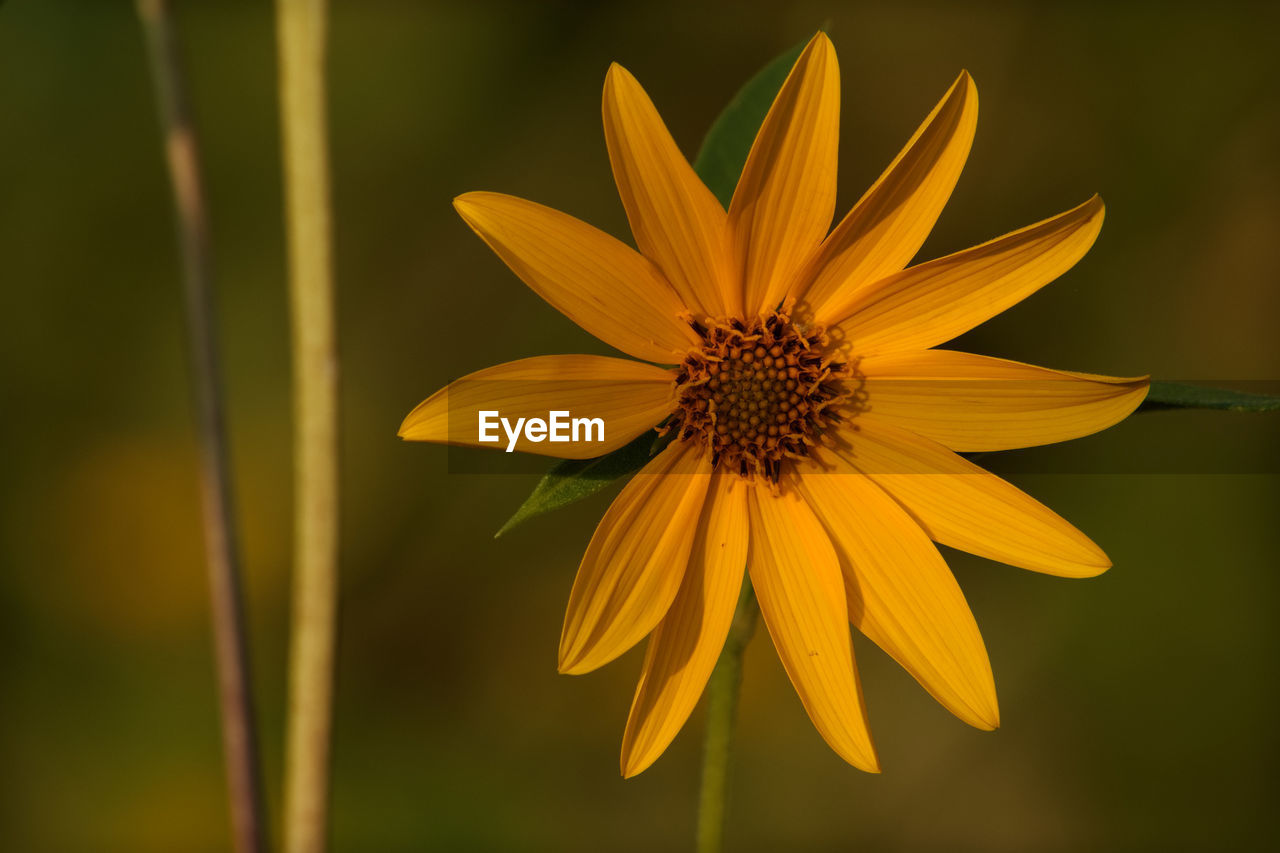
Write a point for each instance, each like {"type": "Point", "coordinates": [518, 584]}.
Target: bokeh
{"type": "Point", "coordinates": [1138, 708]}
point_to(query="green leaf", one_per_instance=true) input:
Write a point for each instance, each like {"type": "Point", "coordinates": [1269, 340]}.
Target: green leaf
{"type": "Point", "coordinates": [1178, 395]}
{"type": "Point", "coordinates": [719, 165]}
{"type": "Point", "coordinates": [571, 480]}
{"type": "Point", "coordinates": [725, 148]}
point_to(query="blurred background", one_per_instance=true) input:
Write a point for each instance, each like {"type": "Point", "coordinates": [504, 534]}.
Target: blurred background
{"type": "Point", "coordinates": [1138, 708]}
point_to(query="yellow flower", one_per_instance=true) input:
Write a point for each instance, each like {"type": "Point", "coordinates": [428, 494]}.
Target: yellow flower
{"type": "Point", "coordinates": [805, 403]}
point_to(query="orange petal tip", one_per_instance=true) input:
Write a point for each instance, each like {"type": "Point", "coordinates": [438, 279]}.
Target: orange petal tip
{"type": "Point", "coordinates": [575, 663]}
{"type": "Point", "coordinates": [463, 201]}
{"type": "Point", "coordinates": [631, 769]}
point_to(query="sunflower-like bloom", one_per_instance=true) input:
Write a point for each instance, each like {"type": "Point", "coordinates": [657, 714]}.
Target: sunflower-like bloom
{"type": "Point", "coordinates": [813, 429]}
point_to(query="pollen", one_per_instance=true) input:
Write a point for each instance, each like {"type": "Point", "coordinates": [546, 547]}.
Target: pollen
{"type": "Point", "coordinates": [759, 393]}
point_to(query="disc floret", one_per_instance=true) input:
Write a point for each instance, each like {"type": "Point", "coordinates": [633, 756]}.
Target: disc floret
{"type": "Point", "coordinates": [758, 393]}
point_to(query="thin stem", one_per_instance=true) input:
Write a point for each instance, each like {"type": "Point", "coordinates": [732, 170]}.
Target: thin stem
{"type": "Point", "coordinates": [239, 737]}
{"type": "Point", "coordinates": [722, 710]}
{"type": "Point", "coordinates": [301, 29]}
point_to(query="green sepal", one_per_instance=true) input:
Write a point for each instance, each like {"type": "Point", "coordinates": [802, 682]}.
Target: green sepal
{"type": "Point", "coordinates": [1178, 395]}
{"type": "Point", "coordinates": [725, 148]}
{"type": "Point", "coordinates": [571, 480]}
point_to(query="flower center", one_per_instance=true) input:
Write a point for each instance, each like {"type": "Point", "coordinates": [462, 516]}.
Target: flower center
{"type": "Point", "coordinates": [758, 393]}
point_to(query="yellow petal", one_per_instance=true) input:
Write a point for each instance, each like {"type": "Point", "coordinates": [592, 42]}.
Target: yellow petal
{"type": "Point", "coordinates": [797, 580]}
{"type": "Point", "coordinates": [627, 396]}
{"type": "Point", "coordinates": [901, 593]}
{"type": "Point", "coordinates": [636, 560]}
{"type": "Point", "coordinates": [684, 648]}
{"type": "Point", "coordinates": [962, 506]}
{"type": "Point", "coordinates": [598, 282]}
{"type": "Point", "coordinates": [889, 224]}
{"type": "Point", "coordinates": [931, 303]}
{"type": "Point", "coordinates": [972, 402]}
{"type": "Point", "coordinates": [783, 204]}
{"type": "Point", "coordinates": [677, 222]}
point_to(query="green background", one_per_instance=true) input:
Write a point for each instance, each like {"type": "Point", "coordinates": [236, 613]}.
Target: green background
{"type": "Point", "coordinates": [1138, 708]}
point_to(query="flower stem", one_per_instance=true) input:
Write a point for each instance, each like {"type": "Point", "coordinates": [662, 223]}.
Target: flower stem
{"type": "Point", "coordinates": [239, 736]}
{"type": "Point", "coordinates": [722, 708]}
{"type": "Point", "coordinates": [301, 30]}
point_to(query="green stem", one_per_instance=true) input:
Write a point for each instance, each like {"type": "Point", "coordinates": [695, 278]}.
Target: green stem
{"type": "Point", "coordinates": [227, 621]}
{"type": "Point", "coordinates": [722, 709]}
{"type": "Point", "coordinates": [301, 30]}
